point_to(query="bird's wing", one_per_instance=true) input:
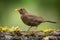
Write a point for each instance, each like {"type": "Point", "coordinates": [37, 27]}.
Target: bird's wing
{"type": "Point", "coordinates": [35, 18]}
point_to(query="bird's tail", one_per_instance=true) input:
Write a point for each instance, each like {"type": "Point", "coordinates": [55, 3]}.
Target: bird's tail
{"type": "Point", "coordinates": [50, 21]}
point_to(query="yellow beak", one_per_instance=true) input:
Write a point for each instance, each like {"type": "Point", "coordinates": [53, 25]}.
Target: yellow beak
{"type": "Point", "coordinates": [16, 9]}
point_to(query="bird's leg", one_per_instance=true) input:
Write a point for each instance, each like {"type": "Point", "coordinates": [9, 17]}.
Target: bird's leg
{"type": "Point", "coordinates": [29, 29]}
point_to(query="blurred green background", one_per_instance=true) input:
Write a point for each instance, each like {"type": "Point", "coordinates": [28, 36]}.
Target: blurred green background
{"type": "Point", "coordinates": [48, 9]}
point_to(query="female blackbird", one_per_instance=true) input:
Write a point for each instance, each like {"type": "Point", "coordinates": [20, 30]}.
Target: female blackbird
{"type": "Point", "coordinates": [31, 20]}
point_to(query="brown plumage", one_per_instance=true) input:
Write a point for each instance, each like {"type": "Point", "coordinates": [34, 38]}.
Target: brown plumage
{"type": "Point", "coordinates": [31, 20]}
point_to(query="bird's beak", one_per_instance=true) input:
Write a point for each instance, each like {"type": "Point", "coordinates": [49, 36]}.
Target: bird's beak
{"type": "Point", "coordinates": [16, 9]}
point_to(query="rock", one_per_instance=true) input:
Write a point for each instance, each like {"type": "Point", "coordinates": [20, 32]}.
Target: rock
{"type": "Point", "coordinates": [8, 37]}
{"type": "Point", "coordinates": [38, 38]}
{"type": "Point", "coordinates": [55, 33]}
{"type": "Point", "coordinates": [18, 33]}
{"type": "Point", "coordinates": [58, 37]}
{"type": "Point", "coordinates": [31, 38]}
{"type": "Point", "coordinates": [40, 34]}
{"type": "Point", "coordinates": [50, 38]}
{"type": "Point", "coordinates": [2, 36]}
{"type": "Point", "coordinates": [16, 38]}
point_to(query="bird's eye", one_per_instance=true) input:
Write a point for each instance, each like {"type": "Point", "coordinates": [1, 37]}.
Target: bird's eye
{"type": "Point", "coordinates": [20, 9]}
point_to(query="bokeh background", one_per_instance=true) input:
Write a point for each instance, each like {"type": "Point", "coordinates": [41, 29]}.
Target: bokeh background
{"type": "Point", "coordinates": [48, 9]}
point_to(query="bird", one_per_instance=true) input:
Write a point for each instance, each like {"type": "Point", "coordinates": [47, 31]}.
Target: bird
{"type": "Point", "coordinates": [31, 20]}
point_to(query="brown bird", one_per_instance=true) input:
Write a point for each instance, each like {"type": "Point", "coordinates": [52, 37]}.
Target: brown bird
{"type": "Point", "coordinates": [31, 20]}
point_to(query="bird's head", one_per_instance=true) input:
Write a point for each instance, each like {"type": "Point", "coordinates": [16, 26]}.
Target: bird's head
{"type": "Point", "coordinates": [22, 11]}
